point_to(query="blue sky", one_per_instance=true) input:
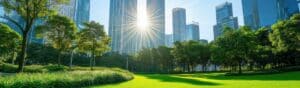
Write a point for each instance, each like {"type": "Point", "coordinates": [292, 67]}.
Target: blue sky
{"type": "Point", "coordinates": [201, 11]}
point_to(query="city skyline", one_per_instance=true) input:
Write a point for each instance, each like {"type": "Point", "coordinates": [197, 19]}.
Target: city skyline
{"type": "Point", "coordinates": [199, 11]}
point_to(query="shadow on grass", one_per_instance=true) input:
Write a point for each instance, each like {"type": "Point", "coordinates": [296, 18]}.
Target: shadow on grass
{"type": "Point", "coordinates": [273, 77]}
{"type": "Point", "coordinates": [168, 78]}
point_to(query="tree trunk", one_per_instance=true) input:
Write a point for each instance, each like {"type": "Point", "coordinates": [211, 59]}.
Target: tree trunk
{"type": "Point", "coordinates": [188, 67]}
{"type": "Point", "coordinates": [251, 66]}
{"type": "Point", "coordinates": [21, 60]}
{"type": "Point", "coordinates": [13, 58]}
{"type": "Point", "coordinates": [240, 67]}
{"type": "Point", "coordinates": [91, 61]}
{"type": "Point", "coordinates": [71, 60]}
{"type": "Point", "coordinates": [59, 56]}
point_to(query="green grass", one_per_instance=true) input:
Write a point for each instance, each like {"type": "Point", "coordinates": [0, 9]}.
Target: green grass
{"type": "Point", "coordinates": [211, 80]}
{"type": "Point", "coordinates": [65, 79]}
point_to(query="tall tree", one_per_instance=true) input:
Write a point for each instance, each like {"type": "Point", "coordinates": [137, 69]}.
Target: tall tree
{"type": "Point", "coordinates": [93, 40]}
{"type": "Point", "coordinates": [285, 37]}
{"type": "Point", "coordinates": [29, 11]}
{"type": "Point", "coordinates": [60, 31]}
{"type": "Point", "coordinates": [238, 44]}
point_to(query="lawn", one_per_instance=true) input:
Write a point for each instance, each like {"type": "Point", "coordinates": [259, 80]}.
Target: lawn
{"type": "Point", "coordinates": [210, 80]}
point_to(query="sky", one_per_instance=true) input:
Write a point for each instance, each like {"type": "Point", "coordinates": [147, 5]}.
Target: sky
{"type": "Point", "coordinates": [201, 11]}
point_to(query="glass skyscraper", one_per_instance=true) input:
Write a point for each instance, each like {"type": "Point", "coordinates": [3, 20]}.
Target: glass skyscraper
{"type": "Point", "coordinates": [82, 14]}
{"type": "Point", "coordinates": [264, 13]}
{"type": "Point", "coordinates": [122, 20]}
{"type": "Point", "coordinates": [193, 32]}
{"type": "Point", "coordinates": [179, 24]}
{"type": "Point", "coordinates": [169, 40]}
{"type": "Point", "coordinates": [156, 15]}
{"type": "Point", "coordinates": [224, 16]}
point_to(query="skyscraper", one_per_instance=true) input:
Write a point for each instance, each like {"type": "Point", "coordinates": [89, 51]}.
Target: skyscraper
{"type": "Point", "coordinates": [264, 13]}
{"type": "Point", "coordinates": [123, 14]}
{"type": "Point", "coordinates": [224, 16]}
{"type": "Point", "coordinates": [156, 15]}
{"type": "Point", "coordinates": [179, 24]}
{"type": "Point", "coordinates": [299, 5]}
{"type": "Point", "coordinates": [82, 14]}
{"type": "Point", "coordinates": [193, 32]}
{"type": "Point", "coordinates": [68, 9]}
{"type": "Point", "coordinates": [169, 40]}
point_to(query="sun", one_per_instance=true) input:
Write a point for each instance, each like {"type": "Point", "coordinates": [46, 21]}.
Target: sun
{"type": "Point", "coordinates": [142, 20]}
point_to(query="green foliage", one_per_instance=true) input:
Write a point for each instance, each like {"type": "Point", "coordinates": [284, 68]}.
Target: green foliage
{"type": "Point", "coordinates": [10, 41]}
{"type": "Point", "coordinates": [285, 35]}
{"type": "Point", "coordinates": [60, 32]}
{"type": "Point", "coordinates": [9, 68]}
{"type": "Point", "coordinates": [64, 79]}
{"type": "Point", "coordinates": [191, 53]}
{"type": "Point", "coordinates": [93, 41]}
{"type": "Point", "coordinates": [153, 60]}
{"type": "Point", "coordinates": [29, 11]}
{"type": "Point", "coordinates": [237, 44]}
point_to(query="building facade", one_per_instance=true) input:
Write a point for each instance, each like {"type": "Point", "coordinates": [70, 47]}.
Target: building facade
{"type": "Point", "coordinates": [82, 13]}
{"type": "Point", "coordinates": [264, 13]}
{"type": "Point", "coordinates": [179, 24]}
{"type": "Point", "coordinates": [169, 40]}
{"type": "Point", "coordinates": [224, 16]}
{"type": "Point", "coordinates": [193, 32]}
{"type": "Point", "coordinates": [123, 13]}
{"type": "Point", "coordinates": [156, 17]}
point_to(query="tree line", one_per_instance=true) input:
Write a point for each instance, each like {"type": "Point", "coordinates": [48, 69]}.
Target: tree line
{"type": "Point", "coordinates": [236, 50]}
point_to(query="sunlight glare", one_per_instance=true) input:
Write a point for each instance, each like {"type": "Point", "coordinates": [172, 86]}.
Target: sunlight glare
{"type": "Point", "coordinates": [142, 22]}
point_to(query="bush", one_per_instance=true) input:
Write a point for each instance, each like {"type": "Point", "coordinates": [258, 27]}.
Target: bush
{"type": "Point", "coordinates": [55, 68]}
{"type": "Point", "coordinates": [73, 79]}
{"type": "Point", "coordinates": [9, 68]}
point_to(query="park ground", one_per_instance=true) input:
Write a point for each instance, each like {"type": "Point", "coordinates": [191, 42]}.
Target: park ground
{"type": "Point", "coordinates": [210, 80]}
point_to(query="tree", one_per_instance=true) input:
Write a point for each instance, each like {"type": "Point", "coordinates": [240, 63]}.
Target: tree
{"type": "Point", "coordinates": [238, 44]}
{"type": "Point", "coordinates": [166, 59]}
{"type": "Point", "coordinates": [180, 54]}
{"type": "Point", "coordinates": [204, 54]}
{"type": "Point", "coordinates": [29, 11]}
{"type": "Point", "coordinates": [9, 41]}
{"type": "Point", "coordinates": [263, 52]}
{"type": "Point", "coordinates": [60, 31]}
{"type": "Point", "coordinates": [285, 37]}
{"type": "Point", "coordinates": [93, 40]}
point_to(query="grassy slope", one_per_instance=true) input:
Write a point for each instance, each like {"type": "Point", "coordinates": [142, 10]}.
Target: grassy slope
{"type": "Point", "coordinates": [211, 80]}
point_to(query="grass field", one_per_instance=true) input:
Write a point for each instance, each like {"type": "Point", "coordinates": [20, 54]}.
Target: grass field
{"type": "Point", "coordinates": [211, 80]}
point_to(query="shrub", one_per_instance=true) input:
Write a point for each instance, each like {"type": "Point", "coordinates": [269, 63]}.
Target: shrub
{"type": "Point", "coordinates": [9, 68]}
{"type": "Point", "coordinates": [73, 79]}
{"type": "Point", "coordinates": [55, 68]}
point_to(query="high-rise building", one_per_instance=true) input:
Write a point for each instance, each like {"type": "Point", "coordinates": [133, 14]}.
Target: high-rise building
{"type": "Point", "coordinates": [156, 17]}
{"type": "Point", "coordinates": [169, 40]}
{"type": "Point", "coordinates": [193, 32]}
{"type": "Point", "coordinates": [123, 14]}
{"type": "Point", "coordinates": [82, 14]}
{"type": "Point", "coordinates": [68, 9]}
{"type": "Point", "coordinates": [224, 16]}
{"type": "Point", "coordinates": [264, 13]}
{"type": "Point", "coordinates": [179, 24]}
{"type": "Point", "coordinates": [299, 5]}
